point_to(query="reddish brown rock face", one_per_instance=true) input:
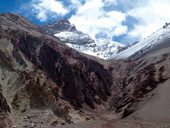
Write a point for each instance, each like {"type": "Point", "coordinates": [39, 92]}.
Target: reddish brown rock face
{"type": "Point", "coordinates": [40, 75]}
{"type": "Point", "coordinates": [71, 71]}
{"type": "Point", "coordinates": [80, 79]}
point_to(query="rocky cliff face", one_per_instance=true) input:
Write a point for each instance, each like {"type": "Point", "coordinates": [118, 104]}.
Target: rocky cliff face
{"type": "Point", "coordinates": [59, 26]}
{"type": "Point", "coordinates": [137, 79]}
{"type": "Point", "coordinates": [39, 72]}
{"type": "Point", "coordinates": [72, 72]}
{"type": "Point", "coordinates": [4, 113]}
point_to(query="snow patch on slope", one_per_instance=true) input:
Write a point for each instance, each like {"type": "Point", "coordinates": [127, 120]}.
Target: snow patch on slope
{"type": "Point", "coordinates": [80, 41]}
{"type": "Point", "coordinates": [74, 37]}
{"type": "Point", "coordinates": [83, 43]}
{"type": "Point", "coordinates": [159, 36]}
{"type": "Point", "coordinates": [102, 49]}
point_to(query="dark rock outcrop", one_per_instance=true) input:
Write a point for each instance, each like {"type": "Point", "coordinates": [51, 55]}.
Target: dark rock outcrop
{"type": "Point", "coordinates": [58, 26]}
{"type": "Point", "coordinates": [3, 104]}
{"type": "Point", "coordinates": [5, 121]}
{"type": "Point", "coordinates": [79, 78]}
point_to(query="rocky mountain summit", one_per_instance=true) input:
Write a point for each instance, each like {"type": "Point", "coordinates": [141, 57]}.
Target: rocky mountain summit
{"type": "Point", "coordinates": [67, 32]}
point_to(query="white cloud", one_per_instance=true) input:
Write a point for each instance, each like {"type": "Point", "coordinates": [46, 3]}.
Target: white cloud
{"type": "Point", "coordinates": [43, 8]}
{"type": "Point", "coordinates": [110, 1]}
{"type": "Point", "coordinates": [119, 30]}
{"type": "Point", "coordinates": [91, 18]}
{"type": "Point", "coordinates": [151, 15]}
{"type": "Point", "coordinates": [75, 4]}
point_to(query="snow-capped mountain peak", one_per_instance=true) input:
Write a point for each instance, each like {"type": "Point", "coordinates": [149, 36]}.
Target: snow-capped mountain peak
{"type": "Point", "coordinates": [102, 49]}
{"type": "Point", "coordinates": [80, 41]}
{"type": "Point", "coordinates": [74, 37]}
{"type": "Point", "coordinates": [59, 26]}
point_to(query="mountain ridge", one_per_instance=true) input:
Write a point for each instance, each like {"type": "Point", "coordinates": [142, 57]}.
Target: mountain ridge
{"type": "Point", "coordinates": [103, 48]}
{"type": "Point", "coordinates": [80, 41]}
{"type": "Point", "coordinates": [39, 72]}
{"type": "Point", "coordinates": [40, 75]}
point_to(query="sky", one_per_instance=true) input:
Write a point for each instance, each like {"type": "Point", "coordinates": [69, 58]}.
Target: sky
{"type": "Point", "coordinates": [122, 21]}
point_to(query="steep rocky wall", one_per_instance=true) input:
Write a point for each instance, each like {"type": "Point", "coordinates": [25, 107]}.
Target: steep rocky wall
{"type": "Point", "coordinates": [5, 121]}
{"type": "Point", "coordinates": [80, 79]}
{"type": "Point", "coordinates": [142, 77]}
{"type": "Point", "coordinates": [25, 90]}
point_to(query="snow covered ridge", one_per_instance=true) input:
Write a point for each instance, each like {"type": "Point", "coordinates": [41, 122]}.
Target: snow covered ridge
{"type": "Point", "coordinates": [74, 37]}
{"type": "Point", "coordinates": [68, 34]}
{"type": "Point", "coordinates": [157, 37]}
{"type": "Point", "coordinates": [102, 49]}
{"type": "Point", "coordinates": [83, 43]}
